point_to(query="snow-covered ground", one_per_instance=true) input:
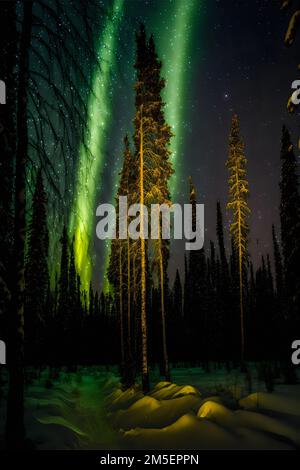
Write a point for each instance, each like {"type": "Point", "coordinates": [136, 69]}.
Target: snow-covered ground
{"type": "Point", "coordinates": [198, 410]}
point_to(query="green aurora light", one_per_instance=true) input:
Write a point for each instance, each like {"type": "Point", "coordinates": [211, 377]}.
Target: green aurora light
{"type": "Point", "coordinates": [174, 43]}
{"type": "Point", "coordinates": [91, 161]}
{"type": "Point", "coordinates": [175, 46]}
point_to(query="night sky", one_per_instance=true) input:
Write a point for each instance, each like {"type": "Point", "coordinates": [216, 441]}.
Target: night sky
{"type": "Point", "coordinates": [219, 57]}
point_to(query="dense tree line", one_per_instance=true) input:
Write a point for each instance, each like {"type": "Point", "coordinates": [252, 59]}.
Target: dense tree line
{"type": "Point", "coordinates": [68, 326]}
{"type": "Point", "coordinates": [221, 308]}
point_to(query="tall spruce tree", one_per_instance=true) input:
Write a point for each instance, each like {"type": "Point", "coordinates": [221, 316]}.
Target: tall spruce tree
{"type": "Point", "coordinates": [152, 171]}
{"type": "Point", "coordinates": [238, 203]}
{"type": "Point", "coordinates": [15, 431]}
{"type": "Point", "coordinates": [72, 285]}
{"type": "Point", "coordinates": [119, 272]}
{"type": "Point", "coordinates": [36, 271]}
{"type": "Point", "coordinates": [8, 34]}
{"type": "Point", "coordinates": [221, 244]}
{"type": "Point", "coordinates": [225, 301]}
{"type": "Point", "coordinates": [290, 227]}
{"type": "Point", "coordinates": [197, 290]}
{"type": "Point", "coordinates": [63, 295]}
{"type": "Point", "coordinates": [176, 320]}
{"type": "Point", "coordinates": [278, 265]}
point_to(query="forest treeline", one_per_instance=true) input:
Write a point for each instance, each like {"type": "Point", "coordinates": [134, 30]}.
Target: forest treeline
{"type": "Point", "coordinates": [67, 325]}
{"type": "Point", "coordinates": [201, 317]}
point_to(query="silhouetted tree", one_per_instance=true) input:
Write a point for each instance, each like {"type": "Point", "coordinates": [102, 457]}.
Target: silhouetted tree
{"type": "Point", "coordinates": [36, 273]}
{"type": "Point", "coordinates": [290, 228]}
{"type": "Point", "coordinates": [15, 431]}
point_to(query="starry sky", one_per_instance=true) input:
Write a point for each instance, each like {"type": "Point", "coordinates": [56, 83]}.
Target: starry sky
{"type": "Point", "coordinates": [219, 57]}
{"type": "Point", "coordinates": [234, 60]}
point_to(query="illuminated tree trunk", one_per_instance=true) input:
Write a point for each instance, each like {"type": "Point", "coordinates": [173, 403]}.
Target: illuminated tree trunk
{"type": "Point", "coordinates": [130, 369]}
{"type": "Point", "coordinates": [240, 259]}
{"type": "Point", "coordinates": [238, 195]}
{"type": "Point", "coordinates": [134, 279]}
{"type": "Point", "coordinates": [128, 292]}
{"type": "Point", "coordinates": [239, 242]}
{"type": "Point", "coordinates": [145, 375]}
{"type": "Point", "coordinates": [136, 320]}
{"type": "Point", "coordinates": [121, 309]}
{"type": "Point", "coordinates": [153, 169]}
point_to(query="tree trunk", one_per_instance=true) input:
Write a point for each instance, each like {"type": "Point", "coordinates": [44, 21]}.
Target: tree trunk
{"type": "Point", "coordinates": [15, 431]}
{"type": "Point", "coordinates": [121, 311]}
{"type": "Point", "coordinates": [145, 374]}
{"type": "Point", "coordinates": [128, 292]}
{"type": "Point", "coordinates": [241, 283]}
{"type": "Point", "coordinates": [129, 366]}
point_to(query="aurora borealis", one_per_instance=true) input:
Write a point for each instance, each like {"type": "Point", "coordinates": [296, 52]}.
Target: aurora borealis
{"type": "Point", "coordinates": [91, 154]}
{"type": "Point", "coordinates": [175, 47]}
{"type": "Point", "coordinates": [209, 73]}
{"type": "Point", "coordinates": [173, 42]}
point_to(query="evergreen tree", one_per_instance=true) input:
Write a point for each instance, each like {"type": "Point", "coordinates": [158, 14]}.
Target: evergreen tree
{"type": "Point", "coordinates": [15, 431]}
{"type": "Point", "coordinates": [119, 272]}
{"type": "Point", "coordinates": [72, 286]}
{"type": "Point", "coordinates": [220, 236]}
{"type": "Point", "coordinates": [224, 294]}
{"type": "Point", "coordinates": [36, 271]}
{"type": "Point", "coordinates": [278, 265]}
{"type": "Point", "coordinates": [8, 140]}
{"type": "Point", "coordinates": [197, 290]}
{"type": "Point", "coordinates": [176, 320]}
{"type": "Point", "coordinates": [252, 317]}
{"type": "Point", "coordinates": [281, 317]}
{"type": "Point", "coordinates": [238, 195]}
{"type": "Point", "coordinates": [96, 305]}
{"type": "Point", "coordinates": [63, 295]}
{"type": "Point", "coordinates": [186, 294]}
{"type": "Point", "coordinates": [290, 227]}
{"type": "Point", "coordinates": [234, 318]}
{"type": "Point", "coordinates": [264, 335]}
{"type": "Point", "coordinates": [152, 169]}
{"type": "Point", "coordinates": [186, 310]}
{"type": "Point", "coordinates": [78, 295]}
{"type": "Point", "coordinates": [270, 278]}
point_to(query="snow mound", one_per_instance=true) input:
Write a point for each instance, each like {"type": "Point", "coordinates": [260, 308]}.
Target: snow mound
{"type": "Point", "coordinates": [188, 432]}
{"type": "Point", "coordinates": [60, 421]}
{"type": "Point", "coordinates": [213, 398]}
{"type": "Point", "coordinates": [119, 399]}
{"type": "Point", "coordinates": [278, 402]}
{"type": "Point", "coordinates": [214, 411]}
{"type": "Point", "coordinates": [167, 391]}
{"type": "Point", "coordinates": [186, 390]}
{"type": "Point", "coordinates": [146, 405]}
{"type": "Point", "coordinates": [161, 385]}
{"type": "Point", "coordinates": [149, 412]}
{"type": "Point", "coordinates": [269, 425]}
